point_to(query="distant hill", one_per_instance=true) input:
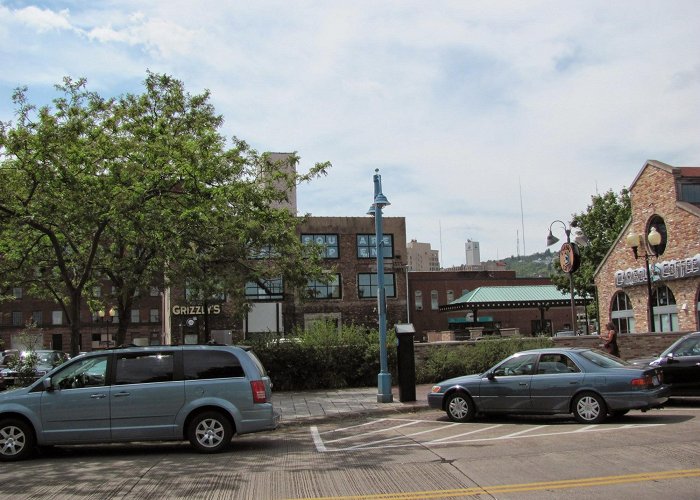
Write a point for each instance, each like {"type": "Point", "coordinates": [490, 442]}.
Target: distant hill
{"type": "Point", "coordinates": [538, 265]}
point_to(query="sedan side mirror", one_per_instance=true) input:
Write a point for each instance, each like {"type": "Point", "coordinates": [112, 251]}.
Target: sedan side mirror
{"type": "Point", "coordinates": [669, 357]}
{"type": "Point", "coordinates": [490, 375]}
{"type": "Point", "coordinates": [48, 386]}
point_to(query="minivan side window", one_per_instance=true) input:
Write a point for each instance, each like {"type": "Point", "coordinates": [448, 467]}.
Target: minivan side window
{"type": "Point", "coordinates": [89, 372]}
{"type": "Point", "coordinates": [201, 365]}
{"type": "Point", "coordinates": [143, 368]}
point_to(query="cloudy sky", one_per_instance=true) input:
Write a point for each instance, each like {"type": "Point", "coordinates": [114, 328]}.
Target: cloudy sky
{"type": "Point", "coordinates": [487, 120]}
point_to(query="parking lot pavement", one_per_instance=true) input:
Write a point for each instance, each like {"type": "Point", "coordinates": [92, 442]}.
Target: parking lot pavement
{"type": "Point", "coordinates": [314, 406]}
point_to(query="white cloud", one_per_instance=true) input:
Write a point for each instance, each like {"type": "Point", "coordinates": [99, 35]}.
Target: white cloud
{"type": "Point", "coordinates": [462, 105]}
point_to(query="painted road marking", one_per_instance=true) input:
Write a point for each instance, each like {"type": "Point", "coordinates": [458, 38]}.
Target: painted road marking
{"type": "Point", "coordinates": [323, 446]}
{"type": "Point", "coordinates": [517, 488]}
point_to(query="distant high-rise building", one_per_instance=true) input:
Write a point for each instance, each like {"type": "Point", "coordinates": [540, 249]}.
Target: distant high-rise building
{"type": "Point", "coordinates": [421, 257]}
{"type": "Point", "coordinates": [472, 252]}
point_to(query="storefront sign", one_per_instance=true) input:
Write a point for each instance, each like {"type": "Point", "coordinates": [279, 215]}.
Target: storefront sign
{"type": "Point", "coordinates": [195, 310]}
{"type": "Point", "coordinates": [664, 271]}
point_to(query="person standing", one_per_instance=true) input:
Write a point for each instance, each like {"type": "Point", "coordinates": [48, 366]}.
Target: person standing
{"type": "Point", "coordinates": [610, 339]}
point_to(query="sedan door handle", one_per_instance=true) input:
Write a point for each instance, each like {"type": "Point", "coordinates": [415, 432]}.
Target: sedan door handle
{"type": "Point", "coordinates": [122, 394]}
{"type": "Point", "coordinates": [524, 384]}
{"type": "Point", "coordinates": [573, 382]}
{"type": "Point", "coordinates": [97, 396]}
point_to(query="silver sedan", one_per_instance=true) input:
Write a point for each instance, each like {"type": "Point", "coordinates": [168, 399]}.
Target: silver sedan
{"type": "Point", "coordinates": [587, 383]}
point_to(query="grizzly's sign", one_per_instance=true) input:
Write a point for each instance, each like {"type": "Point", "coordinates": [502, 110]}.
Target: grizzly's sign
{"type": "Point", "coordinates": [664, 271]}
{"type": "Point", "coordinates": [195, 310]}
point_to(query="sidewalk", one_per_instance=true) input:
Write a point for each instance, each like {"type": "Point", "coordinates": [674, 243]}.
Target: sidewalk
{"type": "Point", "coordinates": [315, 406]}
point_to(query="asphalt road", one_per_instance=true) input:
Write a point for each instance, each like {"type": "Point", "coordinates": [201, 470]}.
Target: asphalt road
{"type": "Point", "coordinates": [401, 456]}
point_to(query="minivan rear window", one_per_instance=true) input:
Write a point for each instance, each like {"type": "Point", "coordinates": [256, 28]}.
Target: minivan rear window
{"type": "Point", "coordinates": [201, 365]}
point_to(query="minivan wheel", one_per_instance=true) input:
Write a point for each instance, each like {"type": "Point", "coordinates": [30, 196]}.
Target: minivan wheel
{"type": "Point", "coordinates": [589, 408]}
{"type": "Point", "coordinates": [16, 440]}
{"type": "Point", "coordinates": [460, 407]}
{"type": "Point", "coordinates": [210, 432]}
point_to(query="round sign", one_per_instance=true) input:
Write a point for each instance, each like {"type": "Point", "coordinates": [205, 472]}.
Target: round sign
{"type": "Point", "coordinates": [569, 258]}
{"type": "Point", "coordinates": [190, 321]}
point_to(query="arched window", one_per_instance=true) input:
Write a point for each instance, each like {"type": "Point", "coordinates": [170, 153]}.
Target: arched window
{"type": "Point", "coordinates": [450, 296]}
{"type": "Point", "coordinates": [419, 300]}
{"type": "Point", "coordinates": [665, 310]}
{"type": "Point", "coordinates": [622, 314]}
{"type": "Point", "coordinates": [434, 299]}
{"type": "Point", "coordinates": [658, 222]}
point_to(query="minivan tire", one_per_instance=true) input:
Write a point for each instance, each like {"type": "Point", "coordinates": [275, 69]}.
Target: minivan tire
{"type": "Point", "coordinates": [16, 440]}
{"type": "Point", "coordinates": [210, 432]}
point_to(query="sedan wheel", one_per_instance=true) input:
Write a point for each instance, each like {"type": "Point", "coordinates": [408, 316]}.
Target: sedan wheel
{"type": "Point", "coordinates": [210, 432]}
{"type": "Point", "coordinates": [589, 408]}
{"type": "Point", "coordinates": [460, 407]}
{"type": "Point", "coordinates": [16, 440]}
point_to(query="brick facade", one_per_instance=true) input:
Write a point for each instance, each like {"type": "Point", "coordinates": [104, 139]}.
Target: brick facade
{"type": "Point", "coordinates": [429, 319]}
{"type": "Point", "coordinates": [655, 193]}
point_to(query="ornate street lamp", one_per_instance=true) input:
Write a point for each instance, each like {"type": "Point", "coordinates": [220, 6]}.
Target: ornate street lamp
{"type": "Point", "coordinates": [634, 241]}
{"type": "Point", "coordinates": [569, 259]}
{"type": "Point", "coordinates": [107, 320]}
{"type": "Point", "coordinates": [384, 394]}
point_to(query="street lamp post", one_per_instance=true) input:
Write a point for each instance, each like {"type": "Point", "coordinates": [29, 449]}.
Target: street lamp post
{"type": "Point", "coordinates": [569, 259]}
{"type": "Point", "coordinates": [107, 318]}
{"type": "Point", "coordinates": [384, 394]}
{"type": "Point", "coordinates": [634, 241]}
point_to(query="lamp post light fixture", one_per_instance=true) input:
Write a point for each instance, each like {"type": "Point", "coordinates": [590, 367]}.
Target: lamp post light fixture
{"type": "Point", "coordinates": [634, 241]}
{"type": "Point", "coordinates": [569, 259]}
{"type": "Point", "coordinates": [384, 394]}
{"type": "Point", "coordinates": [107, 318]}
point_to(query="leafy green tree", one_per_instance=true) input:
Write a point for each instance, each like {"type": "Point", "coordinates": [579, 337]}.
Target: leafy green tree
{"type": "Point", "coordinates": [123, 189]}
{"type": "Point", "coordinates": [601, 223]}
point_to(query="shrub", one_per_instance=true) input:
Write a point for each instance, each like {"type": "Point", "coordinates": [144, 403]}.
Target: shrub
{"type": "Point", "coordinates": [324, 357]}
{"type": "Point", "coordinates": [454, 360]}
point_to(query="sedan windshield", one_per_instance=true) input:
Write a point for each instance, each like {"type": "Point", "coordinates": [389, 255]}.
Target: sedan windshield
{"type": "Point", "coordinates": [603, 359]}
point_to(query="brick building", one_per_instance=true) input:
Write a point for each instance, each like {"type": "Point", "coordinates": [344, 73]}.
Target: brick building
{"type": "Point", "coordinates": [665, 200]}
{"type": "Point", "coordinates": [429, 291]}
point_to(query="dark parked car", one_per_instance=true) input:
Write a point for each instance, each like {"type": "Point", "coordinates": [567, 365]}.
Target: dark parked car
{"type": "Point", "coordinates": [47, 360]}
{"type": "Point", "coordinates": [204, 394]}
{"type": "Point", "coordinates": [586, 382]}
{"type": "Point", "coordinates": [680, 364]}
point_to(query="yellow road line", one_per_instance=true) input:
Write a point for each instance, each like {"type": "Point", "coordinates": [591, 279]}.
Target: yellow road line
{"type": "Point", "coordinates": [514, 488]}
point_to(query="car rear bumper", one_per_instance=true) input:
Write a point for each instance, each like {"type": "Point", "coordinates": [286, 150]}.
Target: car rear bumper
{"type": "Point", "coordinates": [639, 400]}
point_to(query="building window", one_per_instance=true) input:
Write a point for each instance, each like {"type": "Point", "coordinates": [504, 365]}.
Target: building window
{"type": "Point", "coordinates": [135, 316]}
{"type": "Point", "coordinates": [434, 300]}
{"type": "Point", "coordinates": [622, 314]}
{"type": "Point", "coordinates": [271, 290]}
{"type": "Point", "coordinates": [17, 292]}
{"type": "Point", "coordinates": [38, 318]}
{"type": "Point", "coordinates": [450, 296]}
{"type": "Point", "coordinates": [367, 285]}
{"type": "Point", "coordinates": [665, 310]}
{"type": "Point", "coordinates": [56, 317]}
{"type": "Point", "coordinates": [17, 318]}
{"type": "Point", "coordinates": [367, 246]}
{"type": "Point", "coordinates": [154, 316]}
{"type": "Point", "coordinates": [660, 225]}
{"type": "Point", "coordinates": [328, 242]}
{"type": "Point", "coordinates": [419, 300]}
{"type": "Point", "coordinates": [263, 252]}
{"type": "Point", "coordinates": [154, 292]}
{"type": "Point", "coordinates": [97, 291]}
{"type": "Point", "coordinates": [319, 290]}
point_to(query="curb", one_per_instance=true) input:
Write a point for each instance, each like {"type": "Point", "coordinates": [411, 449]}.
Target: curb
{"type": "Point", "coordinates": [413, 407]}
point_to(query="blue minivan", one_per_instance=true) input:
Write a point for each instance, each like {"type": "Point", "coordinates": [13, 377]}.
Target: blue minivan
{"type": "Point", "coordinates": [201, 393]}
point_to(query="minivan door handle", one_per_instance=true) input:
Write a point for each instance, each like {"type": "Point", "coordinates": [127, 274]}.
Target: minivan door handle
{"type": "Point", "coordinates": [97, 396]}
{"type": "Point", "coordinates": [122, 394]}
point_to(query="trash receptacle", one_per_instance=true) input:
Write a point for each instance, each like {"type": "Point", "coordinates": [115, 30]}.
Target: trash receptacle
{"type": "Point", "coordinates": [406, 362]}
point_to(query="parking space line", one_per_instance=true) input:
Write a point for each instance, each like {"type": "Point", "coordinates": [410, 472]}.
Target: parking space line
{"type": "Point", "coordinates": [322, 446]}
{"type": "Point", "coordinates": [464, 434]}
{"type": "Point", "coordinates": [524, 431]}
{"type": "Point", "coordinates": [373, 432]}
{"type": "Point", "coordinates": [379, 420]}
